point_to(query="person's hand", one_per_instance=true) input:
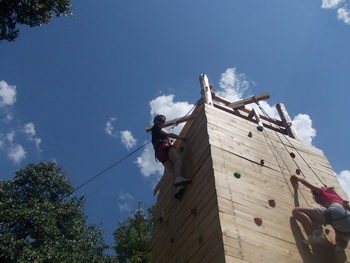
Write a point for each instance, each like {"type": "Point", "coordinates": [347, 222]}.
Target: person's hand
{"type": "Point", "coordinates": [294, 180]}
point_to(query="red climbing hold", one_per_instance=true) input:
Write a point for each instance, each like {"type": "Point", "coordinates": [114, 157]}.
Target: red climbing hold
{"type": "Point", "coordinates": [272, 202]}
{"type": "Point", "coordinates": [258, 221]}
{"type": "Point", "coordinates": [298, 171]}
{"type": "Point", "coordinates": [292, 155]}
{"type": "Point", "coordinates": [262, 162]}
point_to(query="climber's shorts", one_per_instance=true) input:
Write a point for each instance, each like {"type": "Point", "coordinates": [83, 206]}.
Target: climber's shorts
{"type": "Point", "coordinates": [162, 152]}
{"type": "Point", "coordinates": [339, 216]}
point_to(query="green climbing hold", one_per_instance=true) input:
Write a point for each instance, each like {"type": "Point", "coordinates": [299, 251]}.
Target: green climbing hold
{"type": "Point", "coordinates": [237, 174]}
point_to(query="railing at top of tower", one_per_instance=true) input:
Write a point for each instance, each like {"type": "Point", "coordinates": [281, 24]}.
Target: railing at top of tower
{"type": "Point", "coordinates": [210, 98]}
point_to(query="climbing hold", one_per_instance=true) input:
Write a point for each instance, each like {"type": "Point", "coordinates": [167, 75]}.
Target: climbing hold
{"type": "Point", "coordinates": [194, 211]}
{"type": "Point", "coordinates": [262, 162]}
{"type": "Point", "coordinates": [260, 128]}
{"type": "Point", "coordinates": [258, 221]}
{"type": "Point", "coordinates": [250, 134]}
{"type": "Point", "coordinates": [172, 240]}
{"type": "Point", "coordinates": [326, 231]}
{"type": "Point", "coordinates": [272, 202]}
{"type": "Point", "coordinates": [298, 171]}
{"type": "Point", "coordinates": [292, 155]}
{"type": "Point", "coordinates": [237, 174]}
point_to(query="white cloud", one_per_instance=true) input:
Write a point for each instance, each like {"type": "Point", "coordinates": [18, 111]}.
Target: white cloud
{"type": "Point", "coordinates": [16, 153]}
{"type": "Point", "coordinates": [147, 163]}
{"type": "Point", "coordinates": [7, 94]}
{"type": "Point", "coordinates": [344, 15]}
{"type": "Point", "coordinates": [303, 125]}
{"type": "Point", "coordinates": [125, 205]}
{"type": "Point", "coordinates": [109, 129]}
{"type": "Point", "coordinates": [342, 6]}
{"type": "Point", "coordinates": [10, 135]}
{"type": "Point", "coordinates": [29, 129]}
{"type": "Point", "coordinates": [161, 105]}
{"type": "Point", "coordinates": [233, 84]}
{"type": "Point", "coordinates": [344, 181]}
{"type": "Point", "coordinates": [127, 139]}
{"type": "Point", "coordinates": [330, 3]}
{"type": "Point", "coordinates": [166, 106]}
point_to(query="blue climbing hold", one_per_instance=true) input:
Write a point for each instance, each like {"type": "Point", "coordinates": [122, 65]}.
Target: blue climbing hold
{"type": "Point", "coordinates": [260, 128]}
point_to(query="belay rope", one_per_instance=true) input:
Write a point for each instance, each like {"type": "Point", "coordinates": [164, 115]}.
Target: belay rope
{"type": "Point", "coordinates": [110, 167]}
{"type": "Point", "coordinates": [284, 145]}
{"type": "Point", "coordinates": [133, 152]}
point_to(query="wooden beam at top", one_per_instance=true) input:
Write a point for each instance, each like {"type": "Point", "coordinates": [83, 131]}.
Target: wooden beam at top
{"type": "Point", "coordinates": [240, 103]}
{"type": "Point", "coordinates": [172, 122]}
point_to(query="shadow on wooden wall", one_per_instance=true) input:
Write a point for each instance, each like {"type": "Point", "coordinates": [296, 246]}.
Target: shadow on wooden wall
{"type": "Point", "coordinates": [316, 254]}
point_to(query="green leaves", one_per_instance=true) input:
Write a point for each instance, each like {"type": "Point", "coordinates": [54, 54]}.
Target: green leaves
{"type": "Point", "coordinates": [29, 12]}
{"type": "Point", "coordinates": [41, 222]}
{"type": "Point", "coordinates": [133, 235]}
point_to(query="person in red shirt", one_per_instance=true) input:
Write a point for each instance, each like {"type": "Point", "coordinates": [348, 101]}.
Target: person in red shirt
{"type": "Point", "coordinates": [333, 211]}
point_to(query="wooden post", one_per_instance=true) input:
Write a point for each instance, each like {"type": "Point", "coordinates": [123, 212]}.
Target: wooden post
{"type": "Point", "coordinates": [287, 122]}
{"type": "Point", "coordinates": [241, 103]}
{"type": "Point", "coordinates": [260, 126]}
{"type": "Point", "coordinates": [206, 92]}
{"type": "Point", "coordinates": [172, 122]}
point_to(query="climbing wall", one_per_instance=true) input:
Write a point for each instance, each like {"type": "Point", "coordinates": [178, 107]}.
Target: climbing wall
{"type": "Point", "coordinates": [189, 230]}
{"type": "Point", "coordinates": [255, 197]}
{"type": "Point", "coordinates": [238, 207]}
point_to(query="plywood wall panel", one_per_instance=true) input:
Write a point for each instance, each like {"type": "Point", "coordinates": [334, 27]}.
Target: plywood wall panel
{"type": "Point", "coordinates": [214, 222]}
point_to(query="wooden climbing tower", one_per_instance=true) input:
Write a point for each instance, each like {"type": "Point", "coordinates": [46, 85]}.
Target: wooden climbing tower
{"type": "Point", "coordinates": [238, 206]}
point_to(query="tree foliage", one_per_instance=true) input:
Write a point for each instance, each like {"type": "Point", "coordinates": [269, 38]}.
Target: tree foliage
{"type": "Point", "coordinates": [133, 235]}
{"type": "Point", "coordinates": [29, 12]}
{"type": "Point", "coordinates": [41, 222]}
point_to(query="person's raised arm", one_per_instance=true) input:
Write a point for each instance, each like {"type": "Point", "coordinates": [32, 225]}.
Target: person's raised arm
{"type": "Point", "coordinates": [296, 179]}
{"type": "Point", "coordinates": [172, 135]}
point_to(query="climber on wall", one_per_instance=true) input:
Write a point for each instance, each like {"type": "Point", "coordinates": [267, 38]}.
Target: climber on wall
{"type": "Point", "coordinates": [334, 211]}
{"type": "Point", "coordinates": [165, 152]}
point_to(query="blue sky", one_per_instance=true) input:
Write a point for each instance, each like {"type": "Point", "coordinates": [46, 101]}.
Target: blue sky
{"type": "Point", "coordinates": [81, 90]}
